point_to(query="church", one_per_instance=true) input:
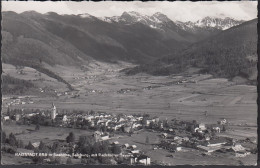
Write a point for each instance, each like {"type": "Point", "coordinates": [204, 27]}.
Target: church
{"type": "Point", "coordinates": [53, 111]}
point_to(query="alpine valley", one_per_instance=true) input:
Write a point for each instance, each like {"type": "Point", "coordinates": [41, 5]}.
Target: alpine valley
{"type": "Point", "coordinates": [162, 91]}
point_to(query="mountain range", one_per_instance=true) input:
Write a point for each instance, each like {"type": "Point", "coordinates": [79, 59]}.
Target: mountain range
{"type": "Point", "coordinates": [230, 53]}
{"type": "Point", "coordinates": [129, 37]}
{"type": "Point", "coordinates": [33, 39]}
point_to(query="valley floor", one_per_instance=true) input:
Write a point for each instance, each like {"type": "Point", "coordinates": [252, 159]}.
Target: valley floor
{"type": "Point", "coordinates": [186, 97]}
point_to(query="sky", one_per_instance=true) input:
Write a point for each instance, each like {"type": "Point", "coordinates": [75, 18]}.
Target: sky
{"type": "Point", "coordinates": [181, 11]}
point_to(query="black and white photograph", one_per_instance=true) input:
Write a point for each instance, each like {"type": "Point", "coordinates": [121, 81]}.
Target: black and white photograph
{"type": "Point", "coordinates": [132, 83]}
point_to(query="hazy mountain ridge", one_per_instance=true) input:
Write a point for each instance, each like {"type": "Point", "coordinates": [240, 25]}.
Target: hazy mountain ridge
{"type": "Point", "coordinates": [78, 37]}
{"type": "Point", "coordinates": [158, 19]}
{"type": "Point", "coordinates": [192, 31]}
{"type": "Point", "coordinates": [231, 53]}
{"type": "Point", "coordinates": [209, 22]}
{"type": "Point", "coordinates": [33, 39]}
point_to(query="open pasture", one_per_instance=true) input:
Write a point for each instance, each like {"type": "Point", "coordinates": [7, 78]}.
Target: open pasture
{"type": "Point", "coordinates": [100, 87]}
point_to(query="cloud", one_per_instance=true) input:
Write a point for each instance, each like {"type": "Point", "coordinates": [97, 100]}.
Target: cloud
{"type": "Point", "coordinates": [179, 10]}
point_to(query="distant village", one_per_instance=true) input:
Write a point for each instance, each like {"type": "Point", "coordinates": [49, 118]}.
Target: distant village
{"type": "Point", "coordinates": [175, 135]}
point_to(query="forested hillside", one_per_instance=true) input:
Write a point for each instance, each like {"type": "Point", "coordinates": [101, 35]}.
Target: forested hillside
{"type": "Point", "coordinates": [231, 53]}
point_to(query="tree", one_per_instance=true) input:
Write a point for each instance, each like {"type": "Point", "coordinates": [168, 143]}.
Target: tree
{"type": "Point", "coordinates": [69, 161]}
{"type": "Point", "coordinates": [8, 111]}
{"type": "Point", "coordinates": [147, 141]}
{"type": "Point", "coordinates": [38, 159]}
{"type": "Point", "coordinates": [37, 127]}
{"type": "Point", "coordinates": [104, 147]}
{"type": "Point", "coordinates": [3, 139]}
{"type": "Point", "coordinates": [57, 160]}
{"type": "Point", "coordinates": [20, 144]}
{"type": "Point", "coordinates": [151, 125]}
{"type": "Point", "coordinates": [70, 138]}
{"type": "Point", "coordinates": [96, 148]}
{"type": "Point", "coordinates": [190, 128]}
{"type": "Point", "coordinates": [43, 148]}
{"type": "Point", "coordinates": [55, 147]}
{"type": "Point", "coordinates": [12, 140]}
{"type": "Point", "coordinates": [116, 149]}
{"type": "Point", "coordinates": [85, 145]}
{"type": "Point", "coordinates": [30, 146]}
{"type": "Point", "coordinates": [224, 128]}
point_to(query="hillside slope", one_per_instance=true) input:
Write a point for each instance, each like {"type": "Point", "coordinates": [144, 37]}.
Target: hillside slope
{"type": "Point", "coordinates": [71, 39]}
{"type": "Point", "coordinates": [231, 53]}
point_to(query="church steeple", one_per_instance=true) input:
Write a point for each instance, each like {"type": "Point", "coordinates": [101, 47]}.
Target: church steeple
{"type": "Point", "coordinates": [53, 112]}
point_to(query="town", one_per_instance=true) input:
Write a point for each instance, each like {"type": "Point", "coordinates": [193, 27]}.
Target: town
{"type": "Point", "coordinates": [104, 146]}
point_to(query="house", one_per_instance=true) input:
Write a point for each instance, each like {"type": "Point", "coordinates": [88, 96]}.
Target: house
{"type": "Point", "coordinates": [61, 118]}
{"type": "Point", "coordinates": [217, 129]}
{"type": "Point", "coordinates": [171, 130]}
{"type": "Point", "coordinates": [101, 122]}
{"type": "Point", "coordinates": [237, 148]}
{"type": "Point", "coordinates": [147, 122]}
{"type": "Point", "coordinates": [97, 135]}
{"type": "Point", "coordinates": [135, 151]}
{"type": "Point", "coordinates": [176, 138]}
{"type": "Point", "coordinates": [106, 137]}
{"type": "Point", "coordinates": [161, 125]}
{"type": "Point", "coordinates": [202, 126]}
{"type": "Point", "coordinates": [92, 124]}
{"type": "Point", "coordinates": [185, 139]}
{"type": "Point", "coordinates": [133, 147]}
{"type": "Point", "coordinates": [156, 119]}
{"type": "Point", "coordinates": [17, 117]}
{"type": "Point", "coordinates": [36, 144]}
{"type": "Point", "coordinates": [209, 149]}
{"type": "Point", "coordinates": [136, 125]}
{"type": "Point", "coordinates": [121, 120]}
{"type": "Point", "coordinates": [115, 143]}
{"type": "Point", "coordinates": [30, 114]}
{"type": "Point", "coordinates": [164, 135]}
{"type": "Point", "coordinates": [222, 122]}
{"type": "Point", "coordinates": [207, 138]}
{"type": "Point", "coordinates": [143, 159]}
{"type": "Point", "coordinates": [116, 127]}
{"type": "Point", "coordinates": [107, 115]}
{"type": "Point", "coordinates": [178, 148]}
{"type": "Point", "coordinates": [107, 122]}
{"type": "Point", "coordinates": [197, 129]}
{"type": "Point", "coordinates": [6, 118]}
{"type": "Point", "coordinates": [139, 118]}
{"type": "Point", "coordinates": [127, 129]}
{"type": "Point", "coordinates": [126, 145]}
{"type": "Point", "coordinates": [216, 142]}
{"type": "Point", "coordinates": [89, 118]}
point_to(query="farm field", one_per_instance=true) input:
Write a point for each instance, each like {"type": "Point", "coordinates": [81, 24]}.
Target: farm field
{"type": "Point", "coordinates": [47, 134]}
{"type": "Point", "coordinates": [101, 91]}
{"type": "Point", "coordinates": [103, 88]}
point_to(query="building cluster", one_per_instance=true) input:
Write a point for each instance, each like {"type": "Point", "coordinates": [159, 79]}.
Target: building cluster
{"type": "Point", "coordinates": [91, 120]}
{"type": "Point", "coordinates": [184, 134]}
{"type": "Point", "coordinates": [18, 101]}
{"type": "Point", "coordinates": [175, 134]}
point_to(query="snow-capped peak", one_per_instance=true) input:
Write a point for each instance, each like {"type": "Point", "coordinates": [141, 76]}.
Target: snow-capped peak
{"type": "Point", "coordinates": [219, 23]}
{"type": "Point", "coordinates": [155, 21]}
{"type": "Point", "coordinates": [210, 22]}
{"type": "Point", "coordinates": [161, 17]}
{"type": "Point", "coordinates": [86, 15]}
{"type": "Point", "coordinates": [134, 14]}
